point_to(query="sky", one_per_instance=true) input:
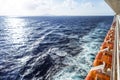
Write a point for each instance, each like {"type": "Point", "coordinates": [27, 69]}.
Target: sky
{"type": "Point", "coordinates": [54, 7]}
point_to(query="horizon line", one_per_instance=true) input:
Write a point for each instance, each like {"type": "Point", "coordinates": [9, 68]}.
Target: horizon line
{"type": "Point", "coordinates": [48, 15]}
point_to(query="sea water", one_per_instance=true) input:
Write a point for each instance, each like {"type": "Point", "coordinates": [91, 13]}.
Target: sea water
{"type": "Point", "coordinates": [50, 48]}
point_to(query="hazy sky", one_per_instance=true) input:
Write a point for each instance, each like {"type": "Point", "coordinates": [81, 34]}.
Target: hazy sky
{"type": "Point", "coordinates": [54, 7]}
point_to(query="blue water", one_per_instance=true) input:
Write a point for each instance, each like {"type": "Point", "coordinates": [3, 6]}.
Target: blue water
{"type": "Point", "coordinates": [50, 48]}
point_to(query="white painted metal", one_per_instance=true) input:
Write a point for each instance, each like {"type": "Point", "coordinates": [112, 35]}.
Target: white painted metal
{"type": "Point", "coordinates": [115, 73]}
{"type": "Point", "coordinates": [115, 5]}
{"type": "Point", "coordinates": [118, 53]}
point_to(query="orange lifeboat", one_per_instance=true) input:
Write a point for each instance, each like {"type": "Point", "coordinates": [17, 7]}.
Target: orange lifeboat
{"type": "Point", "coordinates": [109, 37]}
{"type": "Point", "coordinates": [107, 59]}
{"type": "Point", "coordinates": [110, 34]}
{"type": "Point", "coordinates": [96, 75]}
{"type": "Point", "coordinates": [107, 44]}
{"type": "Point", "coordinates": [101, 53]}
{"type": "Point", "coordinates": [104, 56]}
{"type": "Point", "coordinates": [114, 24]}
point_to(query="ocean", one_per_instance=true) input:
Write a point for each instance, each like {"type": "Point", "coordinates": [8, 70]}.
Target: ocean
{"type": "Point", "coordinates": [51, 47]}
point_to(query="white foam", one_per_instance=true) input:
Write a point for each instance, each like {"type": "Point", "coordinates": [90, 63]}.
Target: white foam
{"type": "Point", "coordinates": [39, 40]}
{"type": "Point", "coordinates": [58, 52]}
{"type": "Point", "coordinates": [82, 61]}
{"type": "Point", "coordinates": [24, 59]}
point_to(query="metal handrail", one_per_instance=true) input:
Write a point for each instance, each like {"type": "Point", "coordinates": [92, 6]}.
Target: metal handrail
{"type": "Point", "coordinates": [115, 73]}
{"type": "Point", "coordinates": [118, 62]}
{"type": "Point", "coordinates": [118, 53]}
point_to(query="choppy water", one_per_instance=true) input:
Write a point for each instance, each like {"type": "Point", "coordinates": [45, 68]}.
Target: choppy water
{"type": "Point", "coordinates": [49, 48]}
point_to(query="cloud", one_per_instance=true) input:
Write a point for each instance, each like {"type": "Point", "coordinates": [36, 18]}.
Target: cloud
{"type": "Point", "coordinates": [72, 7]}
{"type": "Point", "coordinates": [70, 3]}
{"type": "Point", "coordinates": [52, 7]}
{"type": "Point", "coordinates": [11, 7]}
{"type": "Point", "coordinates": [86, 5]}
{"type": "Point", "coordinates": [24, 7]}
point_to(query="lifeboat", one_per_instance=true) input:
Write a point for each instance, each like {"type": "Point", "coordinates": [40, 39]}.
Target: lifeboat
{"type": "Point", "coordinates": [109, 38]}
{"type": "Point", "coordinates": [103, 57]}
{"type": "Point", "coordinates": [97, 75]}
{"type": "Point", "coordinates": [110, 59]}
{"type": "Point", "coordinates": [107, 59]}
{"type": "Point", "coordinates": [107, 44]}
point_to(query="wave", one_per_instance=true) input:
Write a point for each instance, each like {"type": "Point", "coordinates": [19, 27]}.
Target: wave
{"type": "Point", "coordinates": [78, 66]}
{"type": "Point", "coordinates": [50, 48]}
